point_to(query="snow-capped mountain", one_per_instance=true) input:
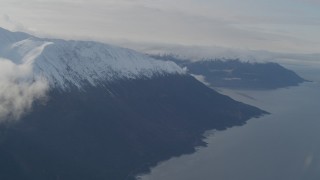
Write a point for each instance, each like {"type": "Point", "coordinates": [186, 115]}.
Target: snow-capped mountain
{"type": "Point", "coordinates": [130, 113]}
{"type": "Point", "coordinates": [77, 63]}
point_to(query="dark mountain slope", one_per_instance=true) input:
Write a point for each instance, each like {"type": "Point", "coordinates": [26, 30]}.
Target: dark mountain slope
{"type": "Point", "coordinates": [245, 75]}
{"type": "Point", "coordinates": [115, 132]}
{"type": "Point", "coordinates": [241, 75]}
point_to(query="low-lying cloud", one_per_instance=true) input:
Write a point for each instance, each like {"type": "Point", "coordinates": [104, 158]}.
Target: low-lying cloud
{"type": "Point", "coordinates": [19, 88]}
{"type": "Point", "coordinates": [282, 26]}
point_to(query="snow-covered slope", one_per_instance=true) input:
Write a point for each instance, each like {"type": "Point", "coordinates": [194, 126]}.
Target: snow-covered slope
{"type": "Point", "coordinates": [68, 64]}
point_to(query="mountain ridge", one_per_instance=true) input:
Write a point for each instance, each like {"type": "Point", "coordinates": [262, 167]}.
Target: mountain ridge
{"type": "Point", "coordinates": [114, 114]}
{"type": "Point", "coordinates": [237, 74]}
{"type": "Point", "coordinates": [78, 63]}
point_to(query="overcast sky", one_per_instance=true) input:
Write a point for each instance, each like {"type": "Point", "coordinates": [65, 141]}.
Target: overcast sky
{"type": "Point", "coordinates": [274, 25]}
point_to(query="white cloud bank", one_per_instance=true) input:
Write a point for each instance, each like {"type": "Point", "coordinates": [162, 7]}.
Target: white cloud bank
{"type": "Point", "coordinates": [18, 89]}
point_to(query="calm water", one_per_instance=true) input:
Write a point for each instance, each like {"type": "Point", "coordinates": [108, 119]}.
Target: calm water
{"type": "Point", "coordinates": [282, 146]}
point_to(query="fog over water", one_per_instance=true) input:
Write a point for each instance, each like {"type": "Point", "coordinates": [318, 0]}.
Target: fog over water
{"type": "Point", "coordinates": [281, 146]}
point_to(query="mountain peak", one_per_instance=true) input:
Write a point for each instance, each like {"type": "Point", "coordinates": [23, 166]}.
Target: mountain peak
{"type": "Point", "coordinates": [67, 64]}
{"type": "Point", "coordinates": [7, 36]}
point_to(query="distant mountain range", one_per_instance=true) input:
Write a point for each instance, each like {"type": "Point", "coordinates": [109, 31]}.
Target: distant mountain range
{"type": "Point", "coordinates": [233, 73]}
{"type": "Point", "coordinates": [107, 113]}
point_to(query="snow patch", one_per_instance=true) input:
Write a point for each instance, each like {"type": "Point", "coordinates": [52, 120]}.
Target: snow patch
{"type": "Point", "coordinates": [202, 79]}
{"type": "Point", "coordinates": [67, 64]}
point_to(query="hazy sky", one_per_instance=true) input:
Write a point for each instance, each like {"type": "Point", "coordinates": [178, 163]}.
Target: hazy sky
{"type": "Point", "coordinates": [274, 25]}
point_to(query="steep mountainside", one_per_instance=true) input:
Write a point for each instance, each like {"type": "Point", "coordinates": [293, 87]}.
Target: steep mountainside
{"type": "Point", "coordinates": [67, 64]}
{"type": "Point", "coordinates": [110, 112]}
